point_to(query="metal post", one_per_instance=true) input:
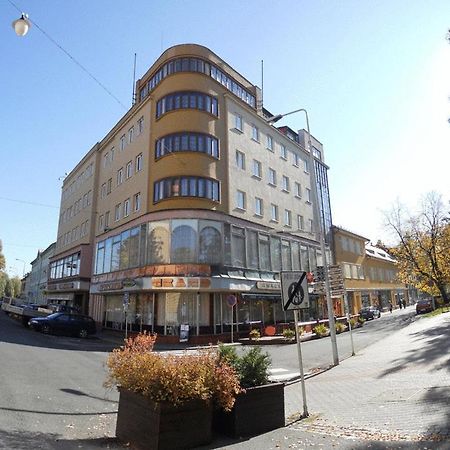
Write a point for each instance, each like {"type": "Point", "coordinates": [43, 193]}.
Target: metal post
{"type": "Point", "coordinates": [232, 312]}
{"type": "Point", "coordinates": [348, 321]}
{"type": "Point", "coordinates": [300, 365]}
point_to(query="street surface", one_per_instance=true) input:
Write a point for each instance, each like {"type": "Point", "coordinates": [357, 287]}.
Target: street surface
{"type": "Point", "coordinates": [392, 393]}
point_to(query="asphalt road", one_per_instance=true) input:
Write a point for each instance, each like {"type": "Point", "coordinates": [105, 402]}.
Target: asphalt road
{"type": "Point", "coordinates": [52, 394]}
{"type": "Point", "coordinates": [317, 354]}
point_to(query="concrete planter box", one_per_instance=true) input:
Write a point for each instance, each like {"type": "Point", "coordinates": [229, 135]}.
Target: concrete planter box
{"type": "Point", "coordinates": [148, 425]}
{"type": "Point", "coordinates": [259, 410]}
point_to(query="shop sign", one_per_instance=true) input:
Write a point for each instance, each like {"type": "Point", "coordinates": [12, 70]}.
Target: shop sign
{"type": "Point", "coordinates": [129, 283]}
{"type": "Point", "coordinates": [184, 332]}
{"type": "Point", "coordinates": [59, 297]}
{"type": "Point", "coordinates": [180, 283]}
{"type": "Point", "coordinates": [268, 285]}
{"type": "Point", "coordinates": [112, 286]}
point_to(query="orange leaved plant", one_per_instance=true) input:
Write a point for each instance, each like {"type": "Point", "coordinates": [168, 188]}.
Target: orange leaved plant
{"type": "Point", "coordinates": [172, 378]}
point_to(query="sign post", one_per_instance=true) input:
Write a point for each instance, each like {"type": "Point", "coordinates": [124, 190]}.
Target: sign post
{"type": "Point", "coordinates": [348, 321]}
{"type": "Point", "coordinates": [126, 302]}
{"type": "Point", "coordinates": [294, 294]}
{"type": "Point", "coordinates": [232, 300]}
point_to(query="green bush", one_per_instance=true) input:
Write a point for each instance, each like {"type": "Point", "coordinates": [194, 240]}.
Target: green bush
{"type": "Point", "coordinates": [251, 368]}
{"type": "Point", "coordinates": [254, 334]}
{"type": "Point", "coordinates": [361, 320]}
{"type": "Point", "coordinates": [340, 327]}
{"type": "Point", "coordinates": [321, 330]}
{"type": "Point", "coordinates": [353, 323]}
{"type": "Point", "coordinates": [288, 333]}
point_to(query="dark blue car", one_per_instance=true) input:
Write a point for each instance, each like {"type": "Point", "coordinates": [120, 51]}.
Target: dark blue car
{"type": "Point", "coordinates": [64, 323]}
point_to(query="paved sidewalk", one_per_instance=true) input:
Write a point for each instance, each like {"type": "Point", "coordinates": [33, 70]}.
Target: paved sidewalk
{"type": "Point", "coordinates": [397, 388]}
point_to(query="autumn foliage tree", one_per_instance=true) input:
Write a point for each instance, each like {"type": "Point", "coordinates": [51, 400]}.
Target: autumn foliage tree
{"type": "Point", "coordinates": [422, 245]}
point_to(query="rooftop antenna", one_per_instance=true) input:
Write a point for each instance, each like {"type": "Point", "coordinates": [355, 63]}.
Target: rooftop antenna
{"type": "Point", "coordinates": [262, 84]}
{"type": "Point", "coordinates": [133, 100]}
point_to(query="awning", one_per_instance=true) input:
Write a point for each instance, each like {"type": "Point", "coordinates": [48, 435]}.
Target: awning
{"type": "Point", "coordinates": [270, 297]}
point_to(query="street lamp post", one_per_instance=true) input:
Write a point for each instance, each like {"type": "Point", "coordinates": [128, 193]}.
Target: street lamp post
{"type": "Point", "coordinates": [21, 260]}
{"type": "Point", "coordinates": [320, 231]}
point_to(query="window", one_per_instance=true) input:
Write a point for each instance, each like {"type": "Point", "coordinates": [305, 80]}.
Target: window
{"type": "Point", "coordinates": [187, 100]}
{"type": "Point", "coordinates": [106, 159]}
{"type": "Point", "coordinates": [285, 183]}
{"type": "Point", "coordinates": [140, 126]}
{"type": "Point", "coordinates": [120, 176]}
{"type": "Point", "coordinates": [240, 199]}
{"type": "Point", "coordinates": [258, 206]}
{"type": "Point", "coordinates": [317, 153]}
{"type": "Point", "coordinates": [238, 247]}
{"type": "Point", "coordinates": [118, 212]}
{"type": "Point", "coordinates": [122, 142]}
{"type": "Point", "coordinates": [238, 122]}
{"type": "Point", "coordinates": [274, 212]}
{"type": "Point", "coordinates": [298, 190]}
{"type": "Point", "coordinates": [106, 219]}
{"type": "Point", "coordinates": [187, 142]}
{"type": "Point", "coordinates": [311, 226]}
{"type": "Point", "coordinates": [130, 135]}
{"type": "Point", "coordinates": [272, 177]}
{"type": "Point", "coordinates": [126, 208]}
{"type": "Point", "coordinates": [129, 169]}
{"type": "Point", "coordinates": [256, 169]}
{"type": "Point", "coordinates": [240, 160]}
{"type": "Point", "coordinates": [283, 151]}
{"type": "Point", "coordinates": [103, 191]}
{"type": "Point", "coordinates": [186, 186]}
{"type": "Point", "coordinates": [101, 222]}
{"type": "Point", "coordinates": [306, 164]}
{"type": "Point", "coordinates": [296, 161]}
{"type": "Point", "coordinates": [138, 163]}
{"type": "Point", "coordinates": [300, 222]}
{"type": "Point", "coordinates": [269, 143]}
{"type": "Point", "coordinates": [255, 133]}
{"type": "Point", "coordinates": [288, 218]}
{"type": "Point", "coordinates": [137, 201]}
{"type": "Point", "coordinates": [108, 186]}
{"type": "Point", "coordinates": [308, 195]}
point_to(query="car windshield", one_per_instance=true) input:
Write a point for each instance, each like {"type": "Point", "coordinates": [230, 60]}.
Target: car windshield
{"type": "Point", "coordinates": [53, 316]}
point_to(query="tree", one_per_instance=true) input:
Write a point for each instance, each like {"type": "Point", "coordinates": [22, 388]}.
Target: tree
{"type": "Point", "coordinates": [3, 278]}
{"type": "Point", "coordinates": [2, 257]}
{"type": "Point", "coordinates": [422, 248]}
{"type": "Point", "coordinates": [16, 286]}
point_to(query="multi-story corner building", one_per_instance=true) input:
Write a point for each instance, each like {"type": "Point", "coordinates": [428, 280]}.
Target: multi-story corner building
{"type": "Point", "coordinates": [198, 201]}
{"type": "Point", "coordinates": [369, 273]}
{"type": "Point", "coordinates": [38, 277]}
{"type": "Point", "coordinates": [71, 266]}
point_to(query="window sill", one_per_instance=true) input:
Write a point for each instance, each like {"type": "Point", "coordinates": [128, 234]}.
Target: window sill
{"type": "Point", "coordinates": [270, 149]}
{"type": "Point", "coordinates": [286, 191]}
{"type": "Point", "coordinates": [274, 220]}
{"type": "Point", "coordinates": [255, 140]}
{"type": "Point", "coordinates": [236, 130]}
{"type": "Point", "coordinates": [238, 208]}
{"type": "Point", "coordinates": [272, 185]}
{"type": "Point", "coordinates": [256, 177]}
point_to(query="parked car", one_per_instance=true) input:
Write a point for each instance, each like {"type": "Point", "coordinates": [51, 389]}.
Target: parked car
{"type": "Point", "coordinates": [369, 312]}
{"type": "Point", "coordinates": [65, 323]}
{"type": "Point", "coordinates": [424, 305]}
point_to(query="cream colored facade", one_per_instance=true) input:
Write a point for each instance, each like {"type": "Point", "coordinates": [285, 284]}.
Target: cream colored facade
{"type": "Point", "coordinates": [369, 272]}
{"type": "Point", "coordinates": [181, 216]}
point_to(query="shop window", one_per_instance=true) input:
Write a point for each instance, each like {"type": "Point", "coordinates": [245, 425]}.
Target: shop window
{"type": "Point", "coordinates": [210, 245]}
{"type": "Point", "coordinates": [184, 241]}
{"type": "Point", "coordinates": [275, 253]}
{"type": "Point", "coordinates": [158, 243]}
{"type": "Point", "coordinates": [238, 247]}
{"type": "Point", "coordinates": [252, 249]}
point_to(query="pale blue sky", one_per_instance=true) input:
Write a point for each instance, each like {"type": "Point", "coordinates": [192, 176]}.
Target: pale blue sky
{"type": "Point", "coordinates": [374, 76]}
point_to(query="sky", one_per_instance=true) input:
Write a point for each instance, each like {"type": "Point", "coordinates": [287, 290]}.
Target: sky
{"type": "Point", "coordinates": [373, 75]}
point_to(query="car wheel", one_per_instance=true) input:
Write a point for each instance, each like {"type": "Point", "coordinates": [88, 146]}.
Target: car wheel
{"type": "Point", "coordinates": [45, 329]}
{"type": "Point", "coordinates": [83, 333]}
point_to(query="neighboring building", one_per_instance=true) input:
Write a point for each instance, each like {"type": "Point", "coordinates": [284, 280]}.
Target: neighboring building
{"type": "Point", "coordinates": [71, 265]}
{"type": "Point", "coordinates": [197, 199]}
{"type": "Point", "coordinates": [24, 287]}
{"type": "Point", "coordinates": [38, 277]}
{"type": "Point", "coordinates": [369, 273]}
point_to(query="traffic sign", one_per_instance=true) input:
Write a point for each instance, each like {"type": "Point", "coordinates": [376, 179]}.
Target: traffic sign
{"type": "Point", "coordinates": [294, 290]}
{"type": "Point", "coordinates": [231, 300]}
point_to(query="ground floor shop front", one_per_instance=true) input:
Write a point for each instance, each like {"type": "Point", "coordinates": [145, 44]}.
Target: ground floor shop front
{"type": "Point", "coordinates": [197, 316]}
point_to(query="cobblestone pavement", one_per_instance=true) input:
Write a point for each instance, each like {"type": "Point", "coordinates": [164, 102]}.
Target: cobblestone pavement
{"type": "Point", "coordinates": [397, 389]}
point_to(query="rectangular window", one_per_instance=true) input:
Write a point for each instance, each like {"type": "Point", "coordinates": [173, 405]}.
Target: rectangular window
{"type": "Point", "coordinates": [311, 226]}
{"type": "Point", "coordinates": [106, 159]}
{"type": "Point", "coordinates": [255, 133]}
{"type": "Point", "coordinates": [122, 142]}
{"type": "Point", "coordinates": [106, 219]}
{"type": "Point", "coordinates": [101, 222]}
{"type": "Point", "coordinates": [269, 143]}
{"type": "Point", "coordinates": [308, 195]}
{"type": "Point", "coordinates": [300, 222]}
{"type": "Point", "coordinates": [240, 199]}
{"type": "Point", "coordinates": [272, 177]}
{"type": "Point", "coordinates": [238, 122]}
{"type": "Point", "coordinates": [283, 151]}
{"type": "Point", "coordinates": [306, 164]}
{"type": "Point", "coordinates": [296, 161]}
{"type": "Point", "coordinates": [140, 126]}
{"type": "Point", "coordinates": [285, 183]}
{"type": "Point", "coordinates": [298, 190]}
{"type": "Point", "coordinates": [288, 218]}
{"type": "Point", "coordinates": [108, 186]}
{"type": "Point", "coordinates": [137, 201]}
{"type": "Point", "coordinates": [129, 170]}
{"type": "Point", "coordinates": [130, 135]}
{"type": "Point", "coordinates": [103, 191]}
{"type": "Point", "coordinates": [258, 206]}
{"type": "Point", "coordinates": [274, 212]}
{"type": "Point", "coordinates": [240, 160]}
{"type": "Point", "coordinates": [126, 208]}
{"type": "Point", "coordinates": [138, 164]}
{"type": "Point", "coordinates": [256, 169]}
{"type": "Point", "coordinates": [117, 212]}
{"type": "Point", "coordinates": [120, 176]}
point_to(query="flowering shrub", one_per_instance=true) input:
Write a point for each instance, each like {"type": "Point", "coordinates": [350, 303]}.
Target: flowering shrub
{"type": "Point", "coordinates": [340, 327]}
{"type": "Point", "coordinates": [173, 378]}
{"type": "Point", "coordinates": [254, 334]}
{"type": "Point", "coordinates": [288, 333]}
{"type": "Point", "coordinates": [321, 330]}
